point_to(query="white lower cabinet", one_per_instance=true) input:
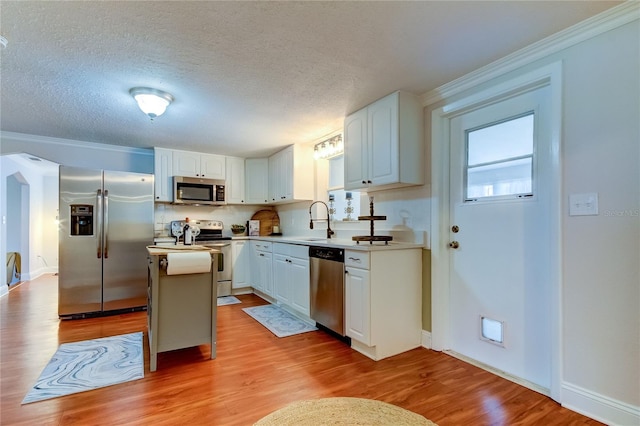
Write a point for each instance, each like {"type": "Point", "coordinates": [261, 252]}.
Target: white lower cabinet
{"type": "Point", "coordinates": [291, 276]}
{"type": "Point", "coordinates": [358, 303]}
{"type": "Point", "coordinates": [383, 301]}
{"type": "Point", "coordinates": [241, 259]}
{"type": "Point", "coordinates": [261, 267]}
{"type": "Point", "coordinates": [281, 279]}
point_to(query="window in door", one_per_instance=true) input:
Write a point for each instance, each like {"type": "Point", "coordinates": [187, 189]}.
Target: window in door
{"type": "Point", "coordinates": [500, 160]}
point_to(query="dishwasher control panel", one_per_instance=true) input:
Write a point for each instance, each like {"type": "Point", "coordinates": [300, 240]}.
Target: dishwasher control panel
{"type": "Point", "coordinates": [327, 253]}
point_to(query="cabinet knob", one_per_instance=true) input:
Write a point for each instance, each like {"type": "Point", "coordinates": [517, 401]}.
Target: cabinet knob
{"type": "Point", "coordinates": [364, 181]}
{"type": "Point", "coordinates": [369, 181]}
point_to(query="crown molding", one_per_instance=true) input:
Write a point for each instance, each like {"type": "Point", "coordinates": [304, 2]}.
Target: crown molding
{"type": "Point", "coordinates": [23, 137]}
{"type": "Point", "coordinates": [589, 28]}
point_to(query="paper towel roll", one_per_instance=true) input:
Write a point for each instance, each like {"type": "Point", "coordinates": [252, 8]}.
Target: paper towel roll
{"type": "Point", "coordinates": [188, 263]}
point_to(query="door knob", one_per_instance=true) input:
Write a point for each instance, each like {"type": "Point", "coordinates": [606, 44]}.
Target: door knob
{"type": "Point", "coordinates": [454, 244]}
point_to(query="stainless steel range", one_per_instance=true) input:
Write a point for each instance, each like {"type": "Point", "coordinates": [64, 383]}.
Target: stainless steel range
{"type": "Point", "coordinates": [209, 233]}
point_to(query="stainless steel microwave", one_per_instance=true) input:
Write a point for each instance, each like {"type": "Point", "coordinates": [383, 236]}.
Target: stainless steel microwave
{"type": "Point", "coordinates": [197, 191]}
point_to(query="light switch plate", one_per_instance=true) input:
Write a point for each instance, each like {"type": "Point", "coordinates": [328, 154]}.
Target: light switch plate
{"type": "Point", "coordinates": [583, 204]}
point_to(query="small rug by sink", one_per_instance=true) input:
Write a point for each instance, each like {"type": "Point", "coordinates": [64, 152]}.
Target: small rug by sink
{"type": "Point", "coordinates": [278, 321]}
{"type": "Point", "coordinates": [90, 364]}
{"type": "Point", "coordinates": [343, 411]}
{"type": "Point", "coordinates": [228, 300]}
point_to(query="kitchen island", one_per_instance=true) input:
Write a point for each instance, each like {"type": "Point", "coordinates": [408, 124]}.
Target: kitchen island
{"type": "Point", "coordinates": [181, 306]}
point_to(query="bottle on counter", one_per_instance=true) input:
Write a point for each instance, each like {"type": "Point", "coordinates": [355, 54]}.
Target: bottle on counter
{"type": "Point", "coordinates": [188, 234]}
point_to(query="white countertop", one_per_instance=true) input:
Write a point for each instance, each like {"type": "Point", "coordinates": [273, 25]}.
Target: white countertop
{"type": "Point", "coordinates": [334, 242]}
{"type": "Point", "coordinates": [306, 240]}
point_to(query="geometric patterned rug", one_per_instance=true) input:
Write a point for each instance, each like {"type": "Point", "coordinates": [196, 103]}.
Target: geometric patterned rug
{"type": "Point", "coordinates": [278, 321]}
{"type": "Point", "coordinates": [90, 364]}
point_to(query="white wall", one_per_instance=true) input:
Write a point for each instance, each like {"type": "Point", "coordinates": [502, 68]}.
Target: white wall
{"type": "Point", "coordinates": [78, 153]}
{"type": "Point", "coordinates": [600, 152]}
{"type": "Point", "coordinates": [41, 212]}
{"type": "Point", "coordinates": [229, 215]}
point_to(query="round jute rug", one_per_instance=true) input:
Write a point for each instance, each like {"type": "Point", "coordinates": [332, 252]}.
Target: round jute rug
{"type": "Point", "coordinates": [343, 411]}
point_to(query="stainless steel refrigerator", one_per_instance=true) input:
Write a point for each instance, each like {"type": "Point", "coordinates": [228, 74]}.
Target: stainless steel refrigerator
{"type": "Point", "coordinates": [106, 222]}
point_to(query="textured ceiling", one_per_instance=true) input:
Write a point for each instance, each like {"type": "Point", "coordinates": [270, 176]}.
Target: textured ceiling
{"type": "Point", "coordinates": [247, 77]}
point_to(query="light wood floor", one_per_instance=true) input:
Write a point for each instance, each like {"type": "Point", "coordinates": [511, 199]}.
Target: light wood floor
{"type": "Point", "coordinates": [254, 374]}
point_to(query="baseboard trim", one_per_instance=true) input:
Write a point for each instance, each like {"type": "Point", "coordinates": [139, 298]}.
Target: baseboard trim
{"type": "Point", "coordinates": [520, 381]}
{"type": "Point", "coordinates": [426, 339]}
{"type": "Point", "coordinates": [36, 273]}
{"type": "Point", "coordinates": [599, 407]}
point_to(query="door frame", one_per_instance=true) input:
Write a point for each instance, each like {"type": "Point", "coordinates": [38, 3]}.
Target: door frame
{"type": "Point", "coordinates": [549, 75]}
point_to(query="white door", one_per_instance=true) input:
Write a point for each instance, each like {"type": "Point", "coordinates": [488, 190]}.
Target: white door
{"type": "Point", "coordinates": [500, 234]}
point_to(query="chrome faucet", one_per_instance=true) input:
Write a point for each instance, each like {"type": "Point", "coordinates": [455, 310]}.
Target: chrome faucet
{"type": "Point", "coordinates": [329, 231]}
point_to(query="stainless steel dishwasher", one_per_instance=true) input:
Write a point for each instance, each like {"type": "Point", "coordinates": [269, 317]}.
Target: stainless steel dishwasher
{"type": "Point", "coordinates": [327, 287]}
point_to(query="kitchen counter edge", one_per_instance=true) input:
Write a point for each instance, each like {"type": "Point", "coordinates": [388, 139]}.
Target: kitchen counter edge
{"type": "Point", "coordinates": [339, 243]}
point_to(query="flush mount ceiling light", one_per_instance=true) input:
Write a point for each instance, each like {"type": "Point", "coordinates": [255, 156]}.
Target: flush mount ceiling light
{"type": "Point", "coordinates": [329, 148]}
{"type": "Point", "coordinates": [152, 102]}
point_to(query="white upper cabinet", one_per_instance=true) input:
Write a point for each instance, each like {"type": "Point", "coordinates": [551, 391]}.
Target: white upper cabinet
{"type": "Point", "coordinates": [384, 144]}
{"type": "Point", "coordinates": [355, 152]}
{"type": "Point", "coordinates": [291, 174]}
{"type": "Point", "coordinates": [235, 180]}
{"type": "Point", "coordinates": [163, 176]}
{"type": "Point", "coordinates": [256, 172]}
{"type": "Point", "coordinates": [195, 164]}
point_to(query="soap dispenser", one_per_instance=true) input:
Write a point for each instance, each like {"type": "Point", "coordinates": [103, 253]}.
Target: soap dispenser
{"type": "Point", "coordinates": [188, 234]}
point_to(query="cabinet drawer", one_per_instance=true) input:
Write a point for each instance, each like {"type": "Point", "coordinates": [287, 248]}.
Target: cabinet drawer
{"type": "Point", "coordinates": [262, 245]}
{"type": "Point", "coordinates": [292, 250]}
{"type": "Point", "coordinates": [356, 259]}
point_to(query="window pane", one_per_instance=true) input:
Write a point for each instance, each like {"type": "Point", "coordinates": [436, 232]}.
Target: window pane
{"type": "Point", "coordinates": [508, 178]}
{"type": "Point", "coordinates": [344, 205]}
{"type": "Point", "coordinates": [513, 138]}
{"type": "Point", "coordinates": [500, 159]}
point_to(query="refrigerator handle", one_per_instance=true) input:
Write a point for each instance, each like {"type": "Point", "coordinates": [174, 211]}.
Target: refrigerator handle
{"type": "Point", "coordinates": [106, 224]}
{"type": "Point", "coordinates": [99, 221]}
